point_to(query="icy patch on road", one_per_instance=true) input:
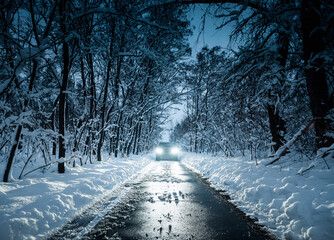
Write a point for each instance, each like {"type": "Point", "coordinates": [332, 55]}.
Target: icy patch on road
{"type": "Point", "coordinates": [32, 207]}
{"type": "Point", "coordinates": [290, 205]}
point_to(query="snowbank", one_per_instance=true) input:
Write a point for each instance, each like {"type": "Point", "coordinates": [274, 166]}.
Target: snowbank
{"type": "Point", "coordinates": [290, 205]}
{"type": "Point", "coordinates": [31, 207]}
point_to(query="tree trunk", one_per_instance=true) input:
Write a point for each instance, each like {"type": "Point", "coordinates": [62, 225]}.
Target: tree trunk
{"type": "Point", "coordinates": [277, 128]}
{"type": "Point", "coordinates": [130, 141]}
{"type": "Point", "coordinates": [92, 110]}
{"type": "Point", "coordinates": [138, 137]}
{"type": "Point", "coordinates": [105, 94]}
{"type": "Point", "coordinates": [135, 139]}
{"type": "Point", "coordinates": [54, 139]}
{"type": "Point", "coordinates": [62, 96]}
{"type": "Point", "coordinates": [196, 138]}
{"type": "Point", "coordinates": [83, 78]}
{"type": "Point", "coordinates": [118, 133]}
{"type": "Point", "coordinates": [313, 45]}
{"type": "Point", "coordinates": [16, 140]}
{"type": "Point", "coordinates": [90, 138]}
{"type": "Point", "coordinates": [277, 124]}
{"type": "Point", "coordinates": [103, 110]}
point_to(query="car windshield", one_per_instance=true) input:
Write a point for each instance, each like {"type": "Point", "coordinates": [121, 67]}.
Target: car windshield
{"type": "Point", "coordinates": [165, 144]}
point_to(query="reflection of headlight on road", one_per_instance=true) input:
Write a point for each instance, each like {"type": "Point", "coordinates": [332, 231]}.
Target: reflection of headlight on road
{"type": "Point", "coordinates": [175, 150]}
{"type": "Point", "coordinates": [159, 150]}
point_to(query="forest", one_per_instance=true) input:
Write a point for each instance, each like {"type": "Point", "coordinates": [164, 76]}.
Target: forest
{"type": "Point", "coordinates": [82, 78]}
{"type": "Point", "coordinates": [271, 94]}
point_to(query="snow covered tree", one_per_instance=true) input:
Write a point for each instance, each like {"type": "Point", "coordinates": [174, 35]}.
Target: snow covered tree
{"type": "Point", "coordinates": [317, 25]}
{"type": "Point", "coordinates": [27, 56]}
{"type": "Point", "coordinates": [278, 37]}
{"type": "Point", "coordinates": [79, 77]}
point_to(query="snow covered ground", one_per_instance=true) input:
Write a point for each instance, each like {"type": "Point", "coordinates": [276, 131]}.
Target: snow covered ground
{"type": "Point", "coordinates": [292, 206]}
{"type": "Point", "coordinates": [39, 203]}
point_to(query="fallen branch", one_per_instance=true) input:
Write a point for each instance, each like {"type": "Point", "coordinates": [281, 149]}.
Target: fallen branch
{"type": "Point", "coordinates": [46, 165]}
{"type": "Point", "coordinates": [305, 170]}
{"type": "Point", "coordinates": [326, 152]}
{"type": "Point", "coordinates": [26, 163]}
{"type": "Point", "coordinates": [282, 150]}
{"type": "Point", "coordinates": [49, 164]}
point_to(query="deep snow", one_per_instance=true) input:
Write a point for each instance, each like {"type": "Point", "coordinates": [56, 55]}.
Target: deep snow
{"type": "Point", "coordinates": [32, 207]}
{"type": "Point", "coordinates": [292, 206]}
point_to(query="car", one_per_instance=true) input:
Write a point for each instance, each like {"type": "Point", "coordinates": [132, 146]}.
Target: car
{"type": "Point", "coordinates": [167, 151]}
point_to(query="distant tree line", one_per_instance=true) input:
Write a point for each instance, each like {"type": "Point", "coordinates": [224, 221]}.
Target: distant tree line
{"type": "Point", "coordinates": [278, 79]}
{"type": "Point", "coordinates": [79, 78]}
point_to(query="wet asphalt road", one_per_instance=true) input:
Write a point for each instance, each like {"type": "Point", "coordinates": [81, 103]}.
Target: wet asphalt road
{"type": "Point", "coordinates": [171, 202]}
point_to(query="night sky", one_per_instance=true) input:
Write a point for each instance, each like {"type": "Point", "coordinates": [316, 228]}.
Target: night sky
{"type": "Point", "coordinates": [211, 36]}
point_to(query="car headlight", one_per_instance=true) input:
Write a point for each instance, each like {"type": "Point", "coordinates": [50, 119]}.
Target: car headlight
{"type": "Point", "coordinates": [175, 150]}
{"type": "Point", "coordinates": [159, 150]}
